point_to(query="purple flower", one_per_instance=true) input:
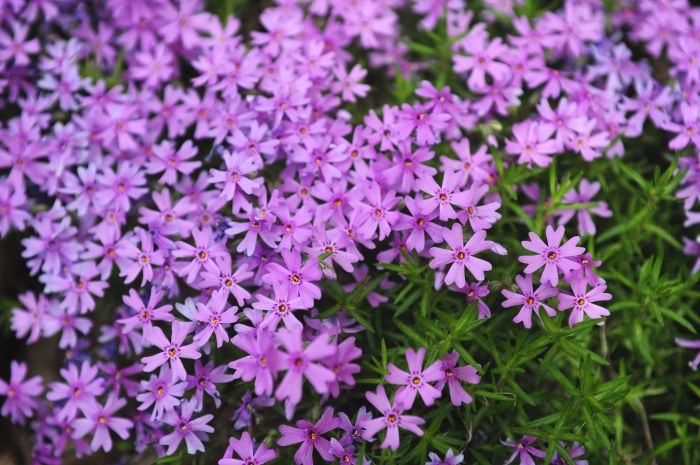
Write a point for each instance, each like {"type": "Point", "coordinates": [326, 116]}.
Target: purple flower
{"type": "Point", "coordinates": [204, 381]}
{"type": "Point", "coordinates": [532, 143]}
{"type": "Point", "coordinates": [192, 431]}
{"type": "Point", "coordinates": [145, 314]}
{"type": "Point", "coordinates": [353, 432]}
{"type": "Point", "coordinates": [234, 178]}
{"type": "Point", "coordinates": [453, 375]}
{"type": "Point", "coordinates": [553, 256]}
{"type": "Point", "coordinates": [99, 420]}
{"type": "Point", "coordinates": [246, 452]}
{"type": "Point", "coordinates": [243, 415]}
{"type": "Point", "coordinates": [13, 202]}
{"type": "Point", "coordinates": [419, 223]}
{"type": "Point", "coordinates": [479, 216]}
{"type": "Point", "coordinates": [79, 391]}
{"type": "Point", "coordinates": [262, 362]}
{"type": "Point", "coordinates": [298, 278]}
{"type": "Point", "coordinates": [341, 365]}
{"type": "Point", "coordinates": [392, 419]}
{"type": "Point", "coordinates": [300, 362]}
{"type": "Point", "coordinates": [523, 450]}
{"type": "Point", "coordinates": [32, 320]}
{"type": "Point", "coordinates": [587, 190]}
{"type": "Point", "coordinates": [202, 254]}
{"type": "Point", "coordinates": [171, 350]}
{"type": "Point", "coordinates": [309, 435]}
{"type": "Point", "coordinates": [122, 186]}
{"type": "Point", "coordinates": [139, 260]}
{"type": "Point", "coordinates": [226, 280]}
{"type": "Point", "coordinates": [20, 393]}
{"type": "Point", "coordinates": [376, 212]}
{"type": "Point", "coordinates": [442, 197]}
{"type": "Point", "coordinates": [213, 316]}
{"type": "Point", "coordinates": [582, 301]}
{"type": "Point", "coordinates": [416, 380]}
{"type": "Point", "coordinates": [475, 291]}
{"type": "Point", "coordinates": [16, 47]}
{"type": "Point", "coordinates": [161, 392]}
{"type": "Point", "coordinates": [529, 300]}
{"type": "Point", "coordinates": [690, 344]}
{"type": "Point", "coordinates": [471, 166]}
{"type": "Point", "coordinates": [450, 458]}
{"type": "Point", "coordinates": [482, 61]}
{"type": "Point", "coordinates": [461, 256]}
{"type": "Point", "coordinates": [427, 124]}
{"type": "Point", "coordinates": [348, 84]}
{"type": "Point", "coordinates": [575, 451]}
{"type": "Point", "coordinates": [344, 453]}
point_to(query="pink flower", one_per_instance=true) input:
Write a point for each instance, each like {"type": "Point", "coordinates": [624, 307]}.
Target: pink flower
{"type": "Point", "coordinates": [416, 380]}
{"type": "Point", "coordinates": [452, 375]}
{"type": "Point", "coordinates": [461, 256]}
{"type": "Point", "coordinates": [529, 300]}
{"type": "Point", "coordinates": [553, 256]}
{"type": "Point", "coordinates": [99, 420]}
{"type": "Point", "coordinates": [582, 301]}
{"type": "Point", "coordinates": [172, 351]}
{"type": "Point", "coordinates": [533, 143]}
{"type": "Point", "coordinates": [20, 393]}
{"type": "Point", "coordinates": [202, 254]}
{"type": "Point", "coordinates": [248, 455]}
{"type": "Point", "coordinates": [392, 419]}
{"type": "Point", "coordinates": [299, 279]}
{"type": "Point", "coordinates": [302, 363]}
{"type": "Point", "coordinates": [348, 84]}
{"type": "Point", "coordinates": [262, 362]}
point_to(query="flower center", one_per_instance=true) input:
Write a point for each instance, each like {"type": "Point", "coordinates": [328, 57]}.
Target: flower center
{"type": "Point", "coordinates": [443, 197]}
{"type": "Point", "coordinates": [378, 213]}
{"type": "Point", "coordinates": [391, 418]}
{"type": "Point", "coordinates": [415, 380]}
{"type": "Point", "coordinates": [102, 420]}
{"type": "Point", "coordinates": [202, 255]}
{"type": "Point", "coordinates": [282, 308]}
{"type": "Point", "coordinates": [580, 301]}
{"type": "Point", "coordinates": [313, 436]}
{"type": "Point", "coordinates": [298, 362]}
{"type": "Point", "coordinates": [449, 373]}
{"type": "Point", "coordinates": [530, 300]}
{"type": "Point", "coordinates": [172, 351]}
{"type": "Point", "coordinates": [263, 361]}
{"type": "Point", "coordinates": [296, 278]}
{"type": "Point", "coordinates": [461, 255]}
{"type": "Point", "coordinates": [160, 391]}
{"type": "Point", "coordinates": [552, 255]}
{"type": "Point", "coordinates": [228, 282]}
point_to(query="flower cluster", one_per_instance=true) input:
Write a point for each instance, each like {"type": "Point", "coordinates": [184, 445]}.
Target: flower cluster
{"type": "Point", "coordinates": [190, 194]}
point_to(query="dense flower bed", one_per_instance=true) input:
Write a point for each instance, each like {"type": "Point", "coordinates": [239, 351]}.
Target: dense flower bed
{"type": "Point", "coordinates": [354, 231]}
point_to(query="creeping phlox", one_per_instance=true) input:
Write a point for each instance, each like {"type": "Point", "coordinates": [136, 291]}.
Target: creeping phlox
{"type": "Point", "coordinates": [215, 179]}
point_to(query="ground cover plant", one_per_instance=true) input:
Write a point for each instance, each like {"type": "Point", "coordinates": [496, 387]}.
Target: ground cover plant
{"type": "Point", "coordinates": [349, 231]}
